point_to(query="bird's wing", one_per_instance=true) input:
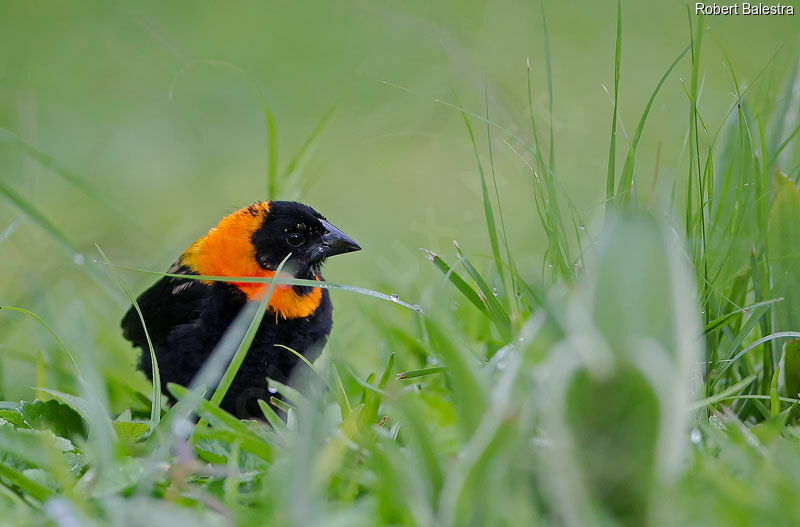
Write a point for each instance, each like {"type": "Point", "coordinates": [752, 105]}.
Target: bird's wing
{"type": "Point", "coordinates": [169, 302]}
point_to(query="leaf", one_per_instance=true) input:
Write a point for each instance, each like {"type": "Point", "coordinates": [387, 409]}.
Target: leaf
{"type": "Point", "coordinates": [614, 423]}
{"type": "Point", "coordinates": [37, 491]}
{"type": "Point", "coordinates": [130, 432]}
{"type": "Point", "coordinates": [126, 473]}
{"type": "Point", "coordinates": [13, 417]}
{"type": "Point", "coordinates": [290, 394]}
{"type": "Point", "coordinates": [784, 247]}
{"type": "Point", "coordinates": [487, 202]}
{"type": "Point", "coordinates": [462, 372]}
{"type": "Point", "coordinates": [79, 404]}
{"type": "Point", "coordinates": [274, 420]}
{"type": "Point", "coordinates": [250, 440]}
{"type": "Point", "coordinates": [775, 405]}
{"type": "Point", "coordinates": [244, 345]}
{"type": "Point", "coordinates": [155, 407]}
{"type": "Point", "coordinates": [626, 178]}
{"type": "Point", "coordinates": [791, 367]}
{"type": "Point", "coordinates": [456, 280]}
{"type": "Point", "coordinates": [341, 394]}
{"type": "Point", "coordinates": [497, 314]}
{"type": "Point", "coordinates": [55, 416]}
{"type": "Point", "coordinates": [411, 374]}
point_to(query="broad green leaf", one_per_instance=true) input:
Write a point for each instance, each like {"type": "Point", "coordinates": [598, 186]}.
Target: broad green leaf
{"type": "Point", "coordinates": [784, 250]}
{"type": "Point", "coordinates": [55, 416]}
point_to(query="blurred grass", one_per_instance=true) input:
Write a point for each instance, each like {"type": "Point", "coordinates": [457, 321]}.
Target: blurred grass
{"type": "Point", "coordinates": [553, 377]}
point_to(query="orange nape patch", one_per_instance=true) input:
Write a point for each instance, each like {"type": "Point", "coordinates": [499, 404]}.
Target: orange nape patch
{"type": "Point", "coordinates": [227, 251]}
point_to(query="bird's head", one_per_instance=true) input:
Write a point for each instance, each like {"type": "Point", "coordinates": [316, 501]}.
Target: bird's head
{"type": "Point", "coordinates": [291, 227]}
{"type": "Point", "coordinates": [253, 241]}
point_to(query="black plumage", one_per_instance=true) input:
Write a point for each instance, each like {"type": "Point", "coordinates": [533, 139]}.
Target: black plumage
{"type": "Point", "coordinates": [187, 318]}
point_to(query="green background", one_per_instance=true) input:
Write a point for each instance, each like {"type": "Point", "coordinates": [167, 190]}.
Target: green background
{"type": "Point", "coordinates": [89, 83]}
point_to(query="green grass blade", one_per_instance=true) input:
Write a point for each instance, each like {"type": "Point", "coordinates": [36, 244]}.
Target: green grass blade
{"type": "Point", "coordinates": [50, 330]}
{"type": "Point", "coordinates": [269, 118]}
{"type": "Point", "coordinates": [725, 394]}
{"type": "Point", "coordinates": [299, 356]}
{"type": "Point", "coordinates": [291, 172]}
{"type": "Point", "coordinates": [548, 68]}
{"type": "Point", "coordinates": [775, 407]}
{"type": "Point", "coordinates": [498, 263]}
{"type": "Point", "coordinates": [461, 368]}
{"type": "Point", "coordinates": [55, 234]}
{"type": "Point", "coordinates": [412, 374]}
{"type": "Point", "coordinates": [394, 299]}
{"type": "Point", "coordinates": [387, 372]}
{"type": "Point", "coordinates": [488, 212]}
{"type": "Point", "coordinates": [281, 405]}
{"type": "Point", "coordinates": [29, 486]}
{"type": "Point", "coordinates": [341, 394]}
{"type": "Point", "coordinates": [724, 319]}
{"type": "Point", "coordinates": [624, 186]}
{"type": "Point", "coordinates": [155, 407]}
{"type": "Point", "coordinates": [10, 138]}
{"type": "Point", "coordinates": [762, 340]}
{"type": "Point", "coordinates": [276, 422]}
{"type": "Point", "coordinates": [462, 286]}
{"type": "Point", "coordinates": [496, 312]}
{"type": "Point", "coordinates": [250, 440]}
{"type": "Point", "coordinates": [612, 149]}
{"type": "Point", "coordinates": [238, 358]}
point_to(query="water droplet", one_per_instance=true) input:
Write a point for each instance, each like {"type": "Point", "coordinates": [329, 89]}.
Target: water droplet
{"type": "Point", "coordinates": [549, 266]}
{"type": "Point", "coordinates": [272, 389]}
{"type": "Point", "coordinates": [582, 227]}
{"type": "Point", "coordinates": [494, 291]}
{"type": "Point", "coordinates": [394, 298]}
{"type": "Point", "coordinates": [417, 308]}
{"type": "Point", "coordinates": [79, 259]}
{"type": "Point", "coordinates": [695, 436]}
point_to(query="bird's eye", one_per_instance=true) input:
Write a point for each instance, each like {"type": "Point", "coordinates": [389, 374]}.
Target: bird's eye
{"type": "Point", "coordinates": [295, 239]}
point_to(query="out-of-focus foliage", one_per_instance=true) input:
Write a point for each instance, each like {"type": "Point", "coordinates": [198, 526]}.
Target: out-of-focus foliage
{"type": "Point", "coordinates": [611, 341]}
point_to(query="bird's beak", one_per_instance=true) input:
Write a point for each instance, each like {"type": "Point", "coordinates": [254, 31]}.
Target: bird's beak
{"type": "Point", "coordinates": [336, 242]}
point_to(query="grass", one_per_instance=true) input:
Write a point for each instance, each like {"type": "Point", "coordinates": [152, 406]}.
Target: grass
{"type": "Point", "coordinates": [648, 377]}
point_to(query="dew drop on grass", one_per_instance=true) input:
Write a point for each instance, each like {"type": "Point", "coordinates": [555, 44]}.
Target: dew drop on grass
{"type": "Point", "coordinates": [494, 291]}
{"type": "Point", "coordinates": [78, 258]}
{"type": "Point", "coordinates": [417, 308]}
{"type": "Point", "coordinates": [695, 436]}
{"type": "Point", "coordinates": [582, 227]}
{"type": "Point", "coordinates": [272, 389]}
{"type": "Point", "coordinates": [394, 298]}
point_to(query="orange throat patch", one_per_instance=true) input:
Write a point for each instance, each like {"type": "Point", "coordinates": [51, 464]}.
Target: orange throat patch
{"type": "Point", "coordinates": [227, 251]}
